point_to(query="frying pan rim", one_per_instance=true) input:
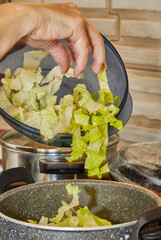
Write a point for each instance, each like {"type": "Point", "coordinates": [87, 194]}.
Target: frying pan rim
{"type": "Point", "coordinates": [65, 229]}
{"type": "Point", "coordinates": [2, 197]}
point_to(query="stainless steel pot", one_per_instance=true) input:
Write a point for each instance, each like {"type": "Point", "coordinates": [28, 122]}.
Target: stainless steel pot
{"type": "Point", "coordinates": [45, 163]}
{"type": "Point", "coordinates": [122, 203]}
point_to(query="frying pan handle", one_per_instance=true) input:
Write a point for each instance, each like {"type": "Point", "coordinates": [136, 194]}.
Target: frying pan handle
{"type": "Point", "coordinates": [14, 175]}
{"type": "Point", "coordinates": [61, 167]}
{"type": "Point", "coordinates": [148, 227]}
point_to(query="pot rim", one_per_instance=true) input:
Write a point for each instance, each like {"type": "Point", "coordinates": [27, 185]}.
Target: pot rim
{"type": "Point", "coordinates": [10, 192]}
{"type": "Point", "coordinates": [47, 148]}
{"type": "Point", "coordinates": [71, 229]}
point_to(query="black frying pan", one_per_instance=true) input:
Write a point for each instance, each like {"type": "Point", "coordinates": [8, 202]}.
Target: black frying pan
{"type": "Point", "coordinates": [120, 203]}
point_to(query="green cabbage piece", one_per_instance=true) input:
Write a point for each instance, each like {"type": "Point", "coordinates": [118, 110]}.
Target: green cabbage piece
{"type": "Point", "coordinates": [86, 219]}
{"type": "Point", "coordinates": [103, 81]}
{"type": "Point", "coordinates": [32, 59]}
{"type": "Point", "coordinates": [71, 214]}
{"type": "Point", "coordinates": [4, 101]}
{"type": "Point", "coordinates": [29, 97]}
{"type": "Point", "coordinates": [92, 117]}
{"type": "Point", "coordinates": [79, 147]}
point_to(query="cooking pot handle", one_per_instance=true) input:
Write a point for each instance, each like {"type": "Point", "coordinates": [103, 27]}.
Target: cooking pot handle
{"type": "Point", "coordinates": [148, 227]}
{"type": "Point", "coordinates": [14, 175]}
{"type": "Point", "coordinates": [61, 167]}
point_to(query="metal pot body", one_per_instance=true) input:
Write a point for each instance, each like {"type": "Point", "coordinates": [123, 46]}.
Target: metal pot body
{"type": "Point", "coordinates": [45, 163]}
{"type": "Point", "coordinates": [122, 203]}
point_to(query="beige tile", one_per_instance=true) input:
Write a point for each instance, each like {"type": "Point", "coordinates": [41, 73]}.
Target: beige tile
{"type": "Point", "coordinates": [140, 129]}
{"type": "Point", "coordinates": [144, 122]}
{"type": "Point", "coordinates": [146, 104]}
{"type": "Point", "coordinates": [151, 5]}
{"type": "Point", "coordinates": [83, 3]}
{"type": "Point", "coordinates": [146, 108]}
{"type": "Point", "coordinates": [140, 52]}
{"type": "Point", "coordinates": [146, 97]}
{"type": "Point", "coordinates": [141, 28]}
{"type": "Point", "coordinates": [106, 26]}
{"type": "Point", "coordinates": [95, 12]}
{"type": "Point", "coordinates": [144, 81]}
{"type": "Point", "coordinates": [136, 14]}
{"type": "Point", "coordinates": [27, 1]}
{"type": "Point", "coordinates": [134, 133]}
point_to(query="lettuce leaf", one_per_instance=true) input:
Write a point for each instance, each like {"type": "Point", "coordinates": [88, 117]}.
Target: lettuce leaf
{"type": "Point", "coordinates": [103, 81]}
{"type": "Point", "coordinates": [87, 219]}
{"type": "Point", "coordinates": [4, 101]}
{"type": "Point", "coordinates": [31, 98]}
{"type": "Point", "coordinates": [49, 120]}
{"type": "Point", "coordinates": [32, 59]}
{"type": "Point", "coordinates": [78, 148]}
{"type": "Point", "coordinates": [71, 190]}
{"type": "Point", "coordinates": [71, 214]}
{"type": "Point", "coordinates": [33, 119]}
{"type": "Point", "coordinates": [83, 99]}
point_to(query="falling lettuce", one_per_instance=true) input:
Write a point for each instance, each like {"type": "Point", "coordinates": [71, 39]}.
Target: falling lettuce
{"type": "Point", "coordinates": [29, 97]}
{"type": "Point", "coordinates": [72, 215]}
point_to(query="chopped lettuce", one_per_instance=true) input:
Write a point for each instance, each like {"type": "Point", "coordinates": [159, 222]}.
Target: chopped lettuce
{"type": "Point", "coordinates": [83, 99]}
{"type": "Point", "coordinates": [33, 119]}
{"type": "Point", "coordinates": [29, 97]}
{"type": "Point", "coordinates": [4, 101]}
{"type": "Point", "coordinates": [103, 81]}
{"type": "Point", "coordinates": [32, 59]}
{"type": "Point", "coordinates": [78, 148]}
{"type": "Point", "coordinates": [92, 117]}
{"type": "Point", "coordinates": [86, 219]}
{"type": "Point", "coordinates": [71, 214]}
{"type": "Point", "coordinates": [49, 120]}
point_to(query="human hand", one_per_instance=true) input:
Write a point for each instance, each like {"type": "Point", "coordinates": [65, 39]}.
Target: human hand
{"type": "Point", "coordinates": [42, 25]}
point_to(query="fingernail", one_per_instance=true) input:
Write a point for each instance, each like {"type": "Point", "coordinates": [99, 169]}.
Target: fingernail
{"type": "Point", "coordinates": [97, 70]}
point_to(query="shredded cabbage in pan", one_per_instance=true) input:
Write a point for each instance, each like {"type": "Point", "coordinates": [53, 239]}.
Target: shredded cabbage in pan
{"type": "Point", "coordinates": [72, 215]}
{"type": "Point", "coordinates": [30, 98]}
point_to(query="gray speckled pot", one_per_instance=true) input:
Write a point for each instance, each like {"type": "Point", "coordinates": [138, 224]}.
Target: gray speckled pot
{"type": "Point", "coordinates": [122, 203]}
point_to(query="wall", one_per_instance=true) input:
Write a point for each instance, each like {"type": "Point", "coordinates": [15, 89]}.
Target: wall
{"type": "Point", "coordinates": [134, 28]}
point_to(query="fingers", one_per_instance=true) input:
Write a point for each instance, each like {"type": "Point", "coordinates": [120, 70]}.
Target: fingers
{"type": "Point", "coordinates": [89, 39]}
{"type": "Point", "coordinates": [79, 51]}
{"type": "Point", "coordinates": [60, 54]}
{"type": "Point", "coordinates": [68, 23]}
{"type": "Point", "coordinates": [98, 51]}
